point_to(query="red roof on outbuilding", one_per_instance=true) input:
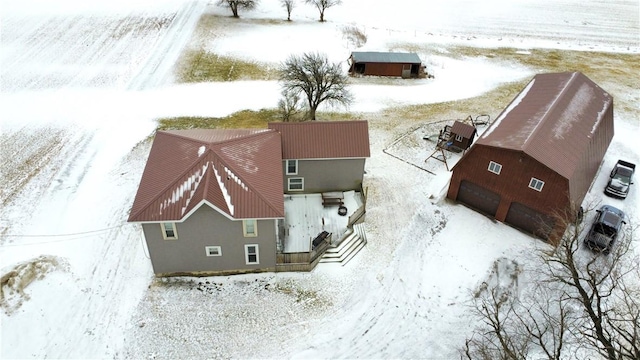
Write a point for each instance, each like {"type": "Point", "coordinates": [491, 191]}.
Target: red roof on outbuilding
{"type": "Point", "coordinates": [552, 120]}
{"type": "Point", "coordinates": [465, 130]}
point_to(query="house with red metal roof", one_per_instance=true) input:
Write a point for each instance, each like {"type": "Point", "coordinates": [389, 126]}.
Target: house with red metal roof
{"type": "Point", "coordinates": [211, 201]}
{"type": "Point", "coordinates": [533, 166]}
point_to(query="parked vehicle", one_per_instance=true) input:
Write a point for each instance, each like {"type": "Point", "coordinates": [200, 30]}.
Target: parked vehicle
{"type": "Point", "coordinates": [620, 179]}
{"type": "Point", "coordinates": [605, 229]}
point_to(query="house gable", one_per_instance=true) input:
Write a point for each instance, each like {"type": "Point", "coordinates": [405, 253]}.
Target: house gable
{"type": "Point", "coordinates": [207, 227]}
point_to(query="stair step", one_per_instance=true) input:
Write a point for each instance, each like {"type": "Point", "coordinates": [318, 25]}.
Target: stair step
{"type": "Point", "coordinates": [344, 243]}
{"type": "Point", "coordinates": [342, 254]}
{"type": "Point", "coordinates": [347, 249]}
{"type": "Point", "coordinates": [353, 253]}
{"type": "Point", "coordinates": [352, 241]}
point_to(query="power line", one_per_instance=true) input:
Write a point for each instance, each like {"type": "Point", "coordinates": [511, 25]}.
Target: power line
{"type": "Point", "coordinates": [59, 235]}
{"type": "Point", "coordinates": [65, 237]}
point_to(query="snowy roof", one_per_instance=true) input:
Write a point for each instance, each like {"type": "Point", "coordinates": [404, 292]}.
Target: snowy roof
{"type": "Point", "coordinates": [385, 57]}
{"type": "Point", "coordinates": [328, 139]}
{"type": "Point", "coordinates": [238, 172]}
{"type": "Point", "coordinates": [552, 120]}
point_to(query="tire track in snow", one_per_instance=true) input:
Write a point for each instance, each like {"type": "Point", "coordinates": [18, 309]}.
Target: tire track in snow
{"type": "Point", "coordinates": [166, 53]}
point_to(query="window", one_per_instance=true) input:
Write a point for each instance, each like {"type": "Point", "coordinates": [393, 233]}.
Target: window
{"type": "Point", "coordinates": [536, 184]}
{"type": "Point", "coordinates": [296, 184]}
{"type": "Point", "coordinates": [459, 138]}
{"type": "Point", "coordinates": [494, 167]}
{"type": "Point", "coordinates": [292, 167]}
{"type": "Point", "coordinates": [249, 228]}
{"type": "Point", "coordinates": [251, 254]}
{"type": "Point", "coordinates": [169, 231]}
{"type": "Point", "coordinates": [213, 250]}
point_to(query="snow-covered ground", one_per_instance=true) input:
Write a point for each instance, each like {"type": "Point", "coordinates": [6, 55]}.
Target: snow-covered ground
{"type": "Point", "coordinates": [81, 85]}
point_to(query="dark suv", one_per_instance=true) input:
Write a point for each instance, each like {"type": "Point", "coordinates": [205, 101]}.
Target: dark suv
{"type": "Point", "coordinates": [605, 229]}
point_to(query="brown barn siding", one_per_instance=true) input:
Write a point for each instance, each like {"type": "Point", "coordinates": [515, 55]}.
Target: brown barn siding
{"type": "Point", "coordinates": [513, 182]}
{"type": "Point", "coordinates": [464, 144]}
{"type": "Point", "coordinates": [592, 159]}
{"type": "Point", "coordinates": [383, 69]}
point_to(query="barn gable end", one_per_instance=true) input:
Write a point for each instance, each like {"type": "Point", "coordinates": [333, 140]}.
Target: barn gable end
{"type": "Point", "coordinates": [553, 135]}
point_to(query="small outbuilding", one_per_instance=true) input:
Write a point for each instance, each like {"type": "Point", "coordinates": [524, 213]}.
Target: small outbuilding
{"type": "Point", "coordinates": [405, 65]}
{"type": "Point", "coordinates": [461, 135]}
{"type": "Point", "coordinates": [534, 165]}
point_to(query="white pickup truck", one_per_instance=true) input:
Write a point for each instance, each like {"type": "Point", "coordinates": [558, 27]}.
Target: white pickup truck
{"type": "Point", "coordinates": [620, 179]}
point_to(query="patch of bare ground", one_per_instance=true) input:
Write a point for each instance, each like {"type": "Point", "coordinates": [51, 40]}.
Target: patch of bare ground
{"type": "Point", "coordinates": [139, 26]}
{"type": "Point", "coordinates": [14, 282]}
{"type": "Point", "coordinates": [25, 153]}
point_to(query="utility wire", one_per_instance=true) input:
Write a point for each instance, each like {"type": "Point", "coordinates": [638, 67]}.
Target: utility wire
{"type": "Point", "coordinates": [69, 237]}
{"type": "Point", "coordinates": [70, 234]}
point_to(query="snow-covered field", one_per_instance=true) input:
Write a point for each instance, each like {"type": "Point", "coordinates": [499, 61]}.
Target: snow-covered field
{"type": "Point", "coordinates": [81, 86]}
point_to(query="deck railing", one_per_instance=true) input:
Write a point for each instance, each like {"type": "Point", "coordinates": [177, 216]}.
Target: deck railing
{"type": "Point", "coordinates": [303, 261]}
{"type": "Point", "coordinates": [358, 215]}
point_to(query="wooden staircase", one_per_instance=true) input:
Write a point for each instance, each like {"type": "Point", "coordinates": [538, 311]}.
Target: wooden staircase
{"type": "Point", "coordinates": [352, 243]}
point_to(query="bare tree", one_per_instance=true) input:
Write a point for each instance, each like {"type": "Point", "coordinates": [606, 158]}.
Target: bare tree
{"type": "Point", "coordinates": [319, 80]}
{"type": "Point", "coordinates": [289, 106]}
{"type": "Point", "coordinates": [498, 337]}
{"type": "Point", "coordinates": [234, 5]}
{"type": "Point", "coordinates": [579, 299]}
{"type": "Point", "coordinates": [323, 5]}
{"type": "Point", "coordinates": [605, 289]}
{"type": "Point", "coordinates": [288, 5]}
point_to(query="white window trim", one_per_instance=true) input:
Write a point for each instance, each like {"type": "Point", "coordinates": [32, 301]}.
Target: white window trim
{"type": "Point", "coordinates": [459, 138]}
{"type": "Point", "coordinates": [301, 183]}
{"type": "Point", "coordinates": [533, 182]}
{"type": "Point", "coordinates": [255, 228]}
{"type": "Point", "coordinates": [496, 165]}
{"type": "Point", "coordinates": [164, 231]}
{"type": "Point", "coordinates": [217, 248]}
{"type": "Point", "coordinates": [287, 167]}
{"type": "Point", "coordinates": [246, 254]}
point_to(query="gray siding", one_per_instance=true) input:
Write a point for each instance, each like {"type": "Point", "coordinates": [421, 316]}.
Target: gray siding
{"type": "Point", "coordinates": [207, 227]}
{"type": "Point", "coordinates": [327, 175]}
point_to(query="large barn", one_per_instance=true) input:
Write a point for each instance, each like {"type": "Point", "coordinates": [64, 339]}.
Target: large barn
{"type": "Point", "coordinates": [405, 65]}
{"type": "Point", "coordinates": [536, 162]}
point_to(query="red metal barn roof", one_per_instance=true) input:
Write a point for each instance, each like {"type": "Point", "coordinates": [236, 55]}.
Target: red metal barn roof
{"type": "Point", "coordinates": [324, 139]}
{"type": "Point", "coordinates": [552, 120]}
{"type": "Point", "coordinates": [238, 172]}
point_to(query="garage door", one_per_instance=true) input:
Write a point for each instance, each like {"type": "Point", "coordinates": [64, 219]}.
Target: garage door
{"type": "Point", "coordinates": [530, 220]}
{"type": "Point", "coordinates": [479, 198]}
